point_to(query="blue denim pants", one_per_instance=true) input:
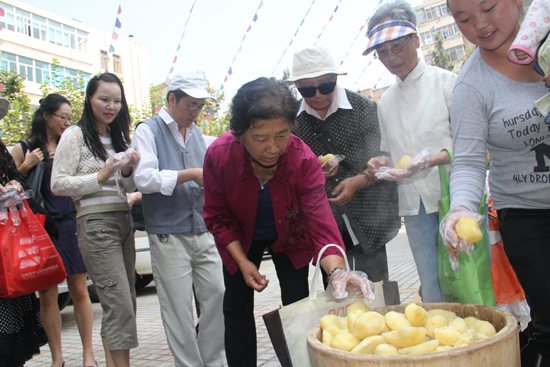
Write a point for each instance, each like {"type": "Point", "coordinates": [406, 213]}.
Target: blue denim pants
{"type": "Point", "coordinates": [422, 231]}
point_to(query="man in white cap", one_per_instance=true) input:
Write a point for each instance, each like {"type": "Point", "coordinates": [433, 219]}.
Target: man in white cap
{"type": "Point", "coordinates": [414, 114]}
{"type": "Point", "coordinates": [334, 120]}
{"type": "Point", "coordinates": [183, 252]}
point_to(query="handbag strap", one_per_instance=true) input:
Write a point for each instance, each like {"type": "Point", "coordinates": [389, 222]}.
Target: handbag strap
{"type": "Point", "coordinates": [315, 280]}
{"type": "Point", "coordinates": [443, 177]}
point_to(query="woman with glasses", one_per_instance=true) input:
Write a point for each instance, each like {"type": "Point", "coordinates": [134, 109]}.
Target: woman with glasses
{"type": "Point", "coordinates": [49, 121]}
{"type": "Point", "coordinates": [98, 187]}
{"type": "Point", "coordinates": [335, 120]}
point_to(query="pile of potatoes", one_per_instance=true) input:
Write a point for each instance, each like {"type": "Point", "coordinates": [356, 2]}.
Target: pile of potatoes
{"type": "Point", "coordinates": [415, 332]}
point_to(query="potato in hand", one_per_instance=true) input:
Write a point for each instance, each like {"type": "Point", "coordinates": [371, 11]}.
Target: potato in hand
{"type": "Point", "coordinates": [468, 229]}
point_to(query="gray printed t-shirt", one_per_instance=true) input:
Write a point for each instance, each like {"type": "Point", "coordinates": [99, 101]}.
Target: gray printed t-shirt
{"type": "Point", "coordinates": [491, 111]}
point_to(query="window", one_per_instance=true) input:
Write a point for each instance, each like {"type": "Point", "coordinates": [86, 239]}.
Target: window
{"type": "Point", "coordinates": [82, 40]}
{"type": "Point", "coordinates": [54, 30]}
{"type": "Point", "coordinates": [434, 12]}
{"type": "Point", "coordinates": [104, 60]}
{"type": "Point", "coordinates": [9, 62]}
{"type": "Point", "coordinates": [25, 68]}
{"type": "Point", "coordinates": [41, 72]}
{"type": "Point", "coordinates": [8, 20]}
{"type": "Point", "coordinates": [39, 27]}
{"type": "Point", "coordinates": [69, 36]}
{"type": "Point", "coordinates": [420, 16]}
{"type": "Point", "coordinates": [446, 32]}
{"type": "Point", "coordinates": [116, 64]}
{"type": "Point", "coordinates": [456, 53]}
{"type": "Point", "coordinates": [23, 21]}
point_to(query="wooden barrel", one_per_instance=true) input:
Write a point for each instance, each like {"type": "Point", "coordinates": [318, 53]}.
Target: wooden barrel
{"type": "Point", "coordinates": [500, 350]}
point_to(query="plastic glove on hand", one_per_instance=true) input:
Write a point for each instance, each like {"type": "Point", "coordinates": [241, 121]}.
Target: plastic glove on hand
{"type": "Point", "coordinates": [460, 229]}
{"type": "Point", "coordinates": [341, 282]}
{"type": "Point", "coordinates": [122, 159]}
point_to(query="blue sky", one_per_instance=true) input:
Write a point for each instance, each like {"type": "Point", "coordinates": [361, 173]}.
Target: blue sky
{"type": "Point", "coordinates": [217, 27]}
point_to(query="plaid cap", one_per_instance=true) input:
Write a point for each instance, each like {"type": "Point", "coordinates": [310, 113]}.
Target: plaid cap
{"type": "Point", "coordinates": [388, 31]}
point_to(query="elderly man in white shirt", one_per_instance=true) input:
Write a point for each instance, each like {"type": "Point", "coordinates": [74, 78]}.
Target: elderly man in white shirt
{"type": "Point", "coordinates": [414, 114]}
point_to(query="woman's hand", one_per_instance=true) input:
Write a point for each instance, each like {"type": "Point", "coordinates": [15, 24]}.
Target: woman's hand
{"type": "Point", "coordinates": [252, 276]}
{"type": "Point", "coordinates": [330, 169]}
{"type": "Point", "coordinates": [13, 183]}
{"type": "Point", "coordinates": [341, 282]}
{"type": "Point", "coordinates": [32, 158]}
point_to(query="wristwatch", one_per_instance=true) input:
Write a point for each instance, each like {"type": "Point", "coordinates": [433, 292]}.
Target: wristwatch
{"type": "Point", "coordinates": [367, 179]}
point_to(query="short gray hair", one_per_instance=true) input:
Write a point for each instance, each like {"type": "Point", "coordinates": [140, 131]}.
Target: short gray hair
{"type": "Point", "coordinates": [396, 9]}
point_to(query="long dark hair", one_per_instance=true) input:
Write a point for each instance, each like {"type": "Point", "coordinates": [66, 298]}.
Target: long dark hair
{"type": "Point", "coordinates": [262, 99]}
{"type": "Point", "coordinates": [48, 105]}
{"type": "Point", "coordinates": [120, 127]}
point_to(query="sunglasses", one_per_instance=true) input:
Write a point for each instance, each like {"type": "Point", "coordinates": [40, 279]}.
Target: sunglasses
{"type": "Point", "coordinates": [325, 88]}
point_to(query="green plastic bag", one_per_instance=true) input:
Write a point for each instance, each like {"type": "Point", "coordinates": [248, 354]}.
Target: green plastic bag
{"type": "Point", "coordinates": [472, 283]}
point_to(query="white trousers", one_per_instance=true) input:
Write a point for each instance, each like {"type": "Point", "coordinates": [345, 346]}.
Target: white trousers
{"type": "Point", "coordinates": [179, 262]}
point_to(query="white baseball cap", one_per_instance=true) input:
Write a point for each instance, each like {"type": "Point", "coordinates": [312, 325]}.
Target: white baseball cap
{"type": "Point", "coordinates": [191, 83]}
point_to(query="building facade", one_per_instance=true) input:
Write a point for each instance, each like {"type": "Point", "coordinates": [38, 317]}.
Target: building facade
{"type": "Point", "coordinates": [31, 38]}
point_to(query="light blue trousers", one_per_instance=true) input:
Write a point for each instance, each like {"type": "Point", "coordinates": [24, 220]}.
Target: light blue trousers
{"type": "Point", "coordinates": [422, 231]}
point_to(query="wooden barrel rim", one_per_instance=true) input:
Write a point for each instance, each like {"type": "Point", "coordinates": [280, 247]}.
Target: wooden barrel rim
{"type": "Point", "coordinates": [510, 326]}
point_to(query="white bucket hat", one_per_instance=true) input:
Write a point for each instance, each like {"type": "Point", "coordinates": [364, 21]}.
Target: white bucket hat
{"type": "Point", "coordinates": [192, 84]}
{"type": "Point", "coordinates": [312, 62]}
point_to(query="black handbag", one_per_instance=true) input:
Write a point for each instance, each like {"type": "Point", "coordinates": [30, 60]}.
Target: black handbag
{"type": "Point", "coordinates": [35, 176]}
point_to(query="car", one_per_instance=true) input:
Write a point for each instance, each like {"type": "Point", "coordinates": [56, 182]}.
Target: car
{"type": "Point", "coordinates": [144, 271]}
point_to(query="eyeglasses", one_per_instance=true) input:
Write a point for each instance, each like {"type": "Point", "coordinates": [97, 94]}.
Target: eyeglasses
{"type": "Point", "coordinates": [325, 88]}
{"type": "Point", "coordinates": [395, 49]}
{"type": "Point", "coordinates": [64, 118]}
{"type": "Point", "coordinates": [194, 108]}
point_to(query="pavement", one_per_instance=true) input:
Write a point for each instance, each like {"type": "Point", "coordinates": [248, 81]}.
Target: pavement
{"type": "Point", "coordinates": [153, 350]}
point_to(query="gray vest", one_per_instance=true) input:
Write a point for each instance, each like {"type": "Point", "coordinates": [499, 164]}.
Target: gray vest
{"type": "Point", "coordinates": [181, 212]}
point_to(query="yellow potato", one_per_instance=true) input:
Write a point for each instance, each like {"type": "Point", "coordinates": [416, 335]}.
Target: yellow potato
{"type": "Point", "coordinates": [334, 329]}
{"type": "Point", "coordinates": [403, 162]}
{"type": "Point", "coordinates": [442, 348]}
{"type": "Point", "coordinates": [485, 328]}
{"type": "Point", "coordinates": [480, 337]}
{"type": "Point", "coordinates": [326, 158]}
{"type": "Point", "coordinates": [327, 337]}
{"type": "Point", "coordinates": [416, 315]}
{"type": "Point", "coordinates": [395, 320]}
{"type": "Point", "coordinates": [327, 320]}
{"type": "Point", "coordinates": [446, 314]}
{"type": "Point", "coordinates": [468, 229]}
{"type": "Point", "coordinates": [368, 324]}
{"type": "Point", "coordinates": [344, 341]}
{"type": "Point", "coordinates": [385, 350]}
{"type": "Point", "coordinates": [357, 305]}
{"type": "Point", "coordinates": [469, 337]}
{"type": "Point", "coordinates": [447, 335]}
{"type": "Point", "coordinates": [342, 323]}
{"type": "Point", "coordinates": [352, 317]}
{"type": "Point", "coordinates": [471, 320]}
{"type": "Point", "coordinates": [435, 322]}
{"type": "Point", "coordinates": [405, 337]}
{"type": "Point", "coordinates": [367, 345]}
{"type": "Point", "coordinates": [460, 324]}
{"type": "Point", "coordinates": [386, 329]}
{"type": "Point", "coordinates": [426, 347]}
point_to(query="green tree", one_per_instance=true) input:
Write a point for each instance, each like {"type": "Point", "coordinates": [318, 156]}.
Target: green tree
{"type": "Point", "coordinates": [16, 124]}
{"type": "Point", "coordinates": [293, 90]}
{"type": "Point", "coordinates": [440, 56]}
{"type": "Point", "coordinates": [213, 121]}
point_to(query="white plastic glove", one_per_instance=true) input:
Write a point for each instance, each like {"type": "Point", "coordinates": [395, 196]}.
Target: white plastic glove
{"type": "Point", "coordinates": [418, 163]}
{"type": "Point", "coordinates": [330, 167]}
{"type": "Point", "coordinates": [122, 159]}
{"type": "Point", "coordinates": [452, 241]}
{"type": "Point", "coordinates": [341, 282]}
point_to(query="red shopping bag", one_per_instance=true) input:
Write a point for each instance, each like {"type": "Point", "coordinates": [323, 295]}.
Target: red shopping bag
{"type": "Point", "coordinates": [29, 261]}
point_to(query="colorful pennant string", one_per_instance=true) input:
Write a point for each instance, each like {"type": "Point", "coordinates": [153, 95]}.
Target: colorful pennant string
{"type": "Point", "coordinates": [254, 19]}
{"type": "Point", "coordinates": [292, 39]}
{"type": "Point", "coordinates": [331, 16]}
{"type": "Point", "coordinates": [114, 36]}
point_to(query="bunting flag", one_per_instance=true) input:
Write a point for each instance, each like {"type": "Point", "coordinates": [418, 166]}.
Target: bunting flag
{"type": "Point", "coordinates": [363, 72]}
{"type": "Point", "coordinates": [292, 39]}
{"type": "Point", "coordinates": [254, 19]}
{"type": "Point", "coordinates": [171, 71]}
{"type": "Point", "coordinates": [114, 35]}
{"type": "Point", "coordinates": [2, 12]}
{"type": "Point", "coordinates": [330, 19]}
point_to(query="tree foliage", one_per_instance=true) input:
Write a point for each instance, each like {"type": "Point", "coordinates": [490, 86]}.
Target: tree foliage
{"type": "Point", "coordinates": [440, 56]}
{"type": "Point", "coordinates": [16, 124]}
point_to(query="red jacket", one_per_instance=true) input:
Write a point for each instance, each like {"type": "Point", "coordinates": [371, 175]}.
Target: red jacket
{"type": "Point", "coordinates": [302, 214]}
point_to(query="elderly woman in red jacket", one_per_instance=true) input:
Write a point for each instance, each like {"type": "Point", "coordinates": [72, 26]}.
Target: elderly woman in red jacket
{"type": "Point", "coordinates": [264, 189]}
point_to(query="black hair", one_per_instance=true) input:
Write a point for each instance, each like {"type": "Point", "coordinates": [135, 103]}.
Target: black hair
{"type": "Point", "coordinates": [48, 106]}
{"type": "Point", "coordinates": [262, 99]}
{"type": "Point", "coordinates": [178, 93]}
{"type": "Point", "coordinates": [120, 127]}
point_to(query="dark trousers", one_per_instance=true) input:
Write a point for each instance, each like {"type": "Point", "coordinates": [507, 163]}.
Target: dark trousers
{"type": "Point", "coordinates": [238, 303]}
{"type": "Point", "coordinates": [526, 238]}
